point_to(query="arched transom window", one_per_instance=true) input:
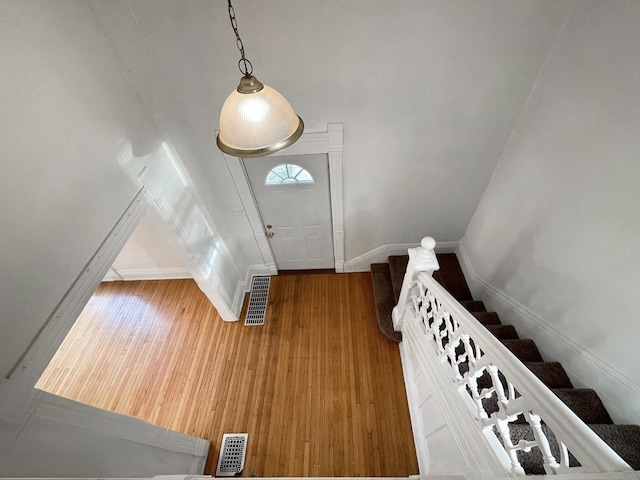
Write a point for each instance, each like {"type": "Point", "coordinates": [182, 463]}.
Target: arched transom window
{"type": "Point", "coordinates": [288, 173]}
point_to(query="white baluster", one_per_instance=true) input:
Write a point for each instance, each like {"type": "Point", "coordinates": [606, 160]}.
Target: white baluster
{"type": "Point", "coordinates": [503, 401]}
{"type": "Point", "coordinates": [472, 381]}
{"type": "Point", "coordinates": [421, 259]}
{"type": "Point", "coordinates": [510, 448]}
{"type": "Point", "coordinates": [564, 455]}
{"type": "Point", "coordinates": [468, 352]}
{"type": "Point", "coordinates": [550, 464]}
{"type": "Point", "coordinates": [517, 390]}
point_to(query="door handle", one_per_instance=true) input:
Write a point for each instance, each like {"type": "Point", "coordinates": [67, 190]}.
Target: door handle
{"type": "Point", "coordinates": [269, 234]}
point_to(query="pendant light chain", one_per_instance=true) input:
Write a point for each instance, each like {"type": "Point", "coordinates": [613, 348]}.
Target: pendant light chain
{"type": "Point", "coordinates": [243, 64]}
{"type": "Point", "coordinates": [255, 120]}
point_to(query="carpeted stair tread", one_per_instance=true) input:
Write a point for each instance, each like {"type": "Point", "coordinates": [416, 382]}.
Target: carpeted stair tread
{"type": "Point", "coordinates": [532, 461]}
{"type": "Point", "coordinates": [473, 305]}
{"type": "Point", "coordinates": [490, 404]}
{"type": "Point", "coordinates": [384, 299]}
{"type": "Point", "coordinates": [585, 403]}
{"type": "Point", "coordinates": [450, 276]}
{"type": "Point", "coordinates": [623, 439]}
{"type": "Point", "coordinates": [397, 267]}
{"type": "Point", "coordinates": [487, 318]}
{"type": "Point", "coordinates": [524, 349]}
{"type": "Point", "coordinates": [503, 332]}
{"type": "Point", "coordinates": [552, 374]}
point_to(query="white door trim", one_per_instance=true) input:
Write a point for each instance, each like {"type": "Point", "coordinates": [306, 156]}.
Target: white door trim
{"type": "Point", "coordinates": [329, 141]}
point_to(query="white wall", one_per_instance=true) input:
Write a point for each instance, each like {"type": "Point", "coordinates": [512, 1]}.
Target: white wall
{"type": "Point", "coordinates": [147, 256]}
{"type": "Point", "coordinates": [148, 60]}
{"type": "Point", "coordinates": [67, 116]}
{"type": "Point", "coordinates": [64, 122]}
{"type": "Point", "coordinates": [554, 245]}
{"type": "Point", "coordinates": [428, 93]}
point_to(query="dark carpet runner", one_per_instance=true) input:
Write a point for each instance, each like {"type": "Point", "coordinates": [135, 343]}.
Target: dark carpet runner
{"type": "Point", "coordinates": [385, 300]}
{"type": "Point", "coordinates": [624, 439]}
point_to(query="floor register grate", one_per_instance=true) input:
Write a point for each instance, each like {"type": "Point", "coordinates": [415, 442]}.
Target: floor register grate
{"type": "Point", "coordinates": [258, 299]}
{"type": "Point", "coordinates": [232, 453]}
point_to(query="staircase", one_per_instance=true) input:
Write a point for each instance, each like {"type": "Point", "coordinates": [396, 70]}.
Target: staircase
{"type": "Point", "coordinates": [586, 404]}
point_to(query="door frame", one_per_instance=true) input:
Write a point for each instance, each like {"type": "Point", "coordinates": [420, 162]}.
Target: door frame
{"type": "Point", "coordinates": [327, 140]}
{"type": "Point", "coordinates": [311, 202]}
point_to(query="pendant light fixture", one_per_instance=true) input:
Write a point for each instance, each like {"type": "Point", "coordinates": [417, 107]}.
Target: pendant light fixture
{"type": "Point", "coordinates": [255, 119]}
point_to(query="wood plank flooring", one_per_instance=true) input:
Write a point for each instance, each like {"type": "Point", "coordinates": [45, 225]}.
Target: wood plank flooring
{"type": "Point", "coordinates": [318, 389]}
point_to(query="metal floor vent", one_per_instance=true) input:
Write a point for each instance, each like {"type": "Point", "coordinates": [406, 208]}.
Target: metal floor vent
{"type": "Point", "coordinates": [232, 453]}
{"type": "Point", "coordinates": [258, 301]}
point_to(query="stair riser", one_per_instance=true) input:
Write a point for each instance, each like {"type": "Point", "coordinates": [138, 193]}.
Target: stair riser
{"type": "Point", "coordinates": [550, 373]}
{"type": "Point", "coordinates": [487, 318]}
{"type": "Point", "coordinates": [525, 350]}
{"type": "Point", "coordinates": [503, 332]}
{"type": "Point", "coordinates": [384, 300]}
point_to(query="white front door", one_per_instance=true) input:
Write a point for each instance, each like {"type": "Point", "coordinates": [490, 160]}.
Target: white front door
{"type": "Point", "coordinates": [292, 194]}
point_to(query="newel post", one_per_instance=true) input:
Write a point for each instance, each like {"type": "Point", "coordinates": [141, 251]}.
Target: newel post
{"type": "Point", "coordinates": [421, 259]}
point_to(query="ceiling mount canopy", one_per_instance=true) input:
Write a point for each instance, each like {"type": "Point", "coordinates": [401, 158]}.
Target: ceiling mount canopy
{"type": "Point", "coordinates": [255, 119]}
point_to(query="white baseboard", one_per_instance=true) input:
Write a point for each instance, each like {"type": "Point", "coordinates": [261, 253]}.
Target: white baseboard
{"type": "Point", "coordinates": [362, 263]}
{"type": "Point", "coordinates": [255, 271]}
{"type": "Point", "coordinates": [128, 274]}
{"type": "Point", "coordinates": [619, 393]}
{"type": "Point", "coordinates": [238, 298]}
{"type": "Point", "coordinates": [111, 276]}
{"type": "Point", "coordinates": [447, 247]}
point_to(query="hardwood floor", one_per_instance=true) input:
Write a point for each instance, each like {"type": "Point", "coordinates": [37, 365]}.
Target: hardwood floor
{"type": "Point", "coordinates": [318, 389]}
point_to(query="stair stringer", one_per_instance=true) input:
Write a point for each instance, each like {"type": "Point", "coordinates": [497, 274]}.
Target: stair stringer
{"type": "Point", "coordinates": [445, 435]}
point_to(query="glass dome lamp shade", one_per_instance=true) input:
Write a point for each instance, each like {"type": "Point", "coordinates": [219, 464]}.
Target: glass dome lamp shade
{"type": "Point", "coordinates": [256, 120]}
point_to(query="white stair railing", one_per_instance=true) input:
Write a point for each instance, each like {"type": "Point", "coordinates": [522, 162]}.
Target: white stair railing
{"type": "Point", "coordinates": [481, 372]}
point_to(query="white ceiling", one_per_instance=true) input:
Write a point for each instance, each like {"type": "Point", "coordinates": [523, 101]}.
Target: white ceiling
{"type": "Point", "coordinates": [428, 92]}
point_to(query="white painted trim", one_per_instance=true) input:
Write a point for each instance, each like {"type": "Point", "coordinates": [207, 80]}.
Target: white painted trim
{"type": "Point", "coordinates": [250, 207]}
{"type": "Point", "coordinates": [54, 409]}
{"type": "Point", "coordinates": [447, 247]}
{"type": "Point", "coordinates": [471, 432]}
{"type": "Point", "coordinates": [409, 376]}
{"type": "Point", "coordinates": [184, 221]}
{"type": "Point", "coordinates": [362, 263]}
{"type": "Point", "coordinates": [46, 344]}
{"type": "Point", "coordinates": [449, 436]}
{"type": "Point", "coordinates": [111, 276]}
{"type": "Point", "coordinates": [590, 371]}
{"type": "Point", "coordinates": [255, 271]}
{"type": "Point", "coordinates": [167, 273]}
{"type": "Point", "coordinates": [245, 285]}
{"type": "Point", "coordinates": [335, 141]}
{"type": "Point", "coordinates": [238, 297]}
{"type": "Point", "coordinates": [329, 141]}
